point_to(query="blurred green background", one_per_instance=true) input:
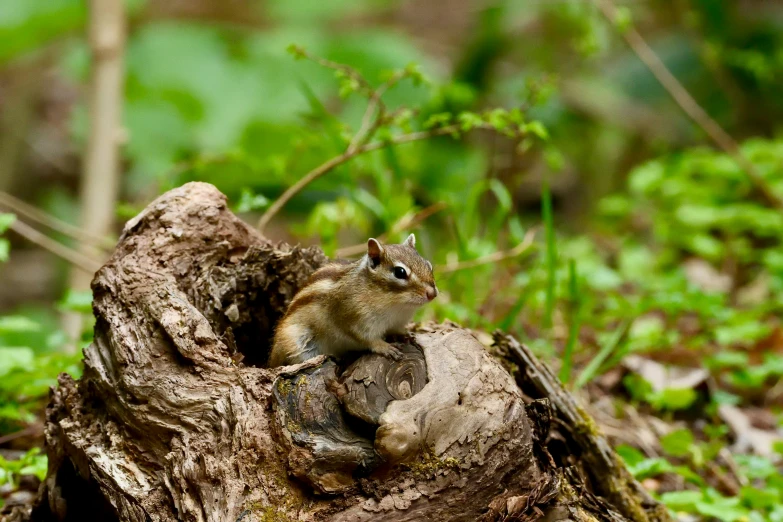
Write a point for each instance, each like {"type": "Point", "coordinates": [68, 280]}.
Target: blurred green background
{"type": "Point", "coordinates": [650, 241]}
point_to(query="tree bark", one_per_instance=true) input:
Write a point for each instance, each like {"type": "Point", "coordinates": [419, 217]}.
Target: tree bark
{"type": "Point", "coordinates": [176, 418]}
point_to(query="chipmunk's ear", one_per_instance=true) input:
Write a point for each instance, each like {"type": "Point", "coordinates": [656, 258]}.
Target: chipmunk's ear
{"type": "Point", "coordinates": [411, 241]}
{"type": "Point", "coordinates": [374, 251]}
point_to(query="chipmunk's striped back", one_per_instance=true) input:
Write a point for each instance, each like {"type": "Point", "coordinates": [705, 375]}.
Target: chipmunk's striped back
{"type": "Point", "coordinates": [352, 306]}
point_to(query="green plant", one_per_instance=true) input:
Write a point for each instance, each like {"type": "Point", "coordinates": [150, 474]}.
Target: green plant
{"type": "Point", "coordinates": [30, 358]}
{"type": "Point", "coordinates": [213, 102]}
{"type": "Point", "coordinates": [31, 463]}
{"type": "Point", "coordinates": [574, 322]}
{"type": "Point", "coordinates": [5, 221]}
{"type": "Point", "coordinates": [756, 503]}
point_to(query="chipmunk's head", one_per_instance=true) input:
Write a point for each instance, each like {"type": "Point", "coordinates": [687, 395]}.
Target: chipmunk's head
{"type": "Point", "coordinates": [401, 271]}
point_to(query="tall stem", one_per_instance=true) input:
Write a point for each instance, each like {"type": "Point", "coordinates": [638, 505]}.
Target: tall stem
{"type": "Point", "coordinates": [101, 174]}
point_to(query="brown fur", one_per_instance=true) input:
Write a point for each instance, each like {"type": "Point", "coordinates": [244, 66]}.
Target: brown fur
{"type": "Point", "coordinates": [353, 306]}
{"type": "Point", "coordinates": [332, 271]}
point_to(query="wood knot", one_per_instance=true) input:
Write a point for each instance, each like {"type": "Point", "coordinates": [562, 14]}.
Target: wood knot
{"type": "Point", "coordinates": [373, 381]}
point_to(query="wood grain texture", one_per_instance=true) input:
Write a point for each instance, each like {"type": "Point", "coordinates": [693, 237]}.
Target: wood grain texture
{"type": "Point", "coordinates": [175, 417]}
{"type": "Point", "coordinates": [372, 382]}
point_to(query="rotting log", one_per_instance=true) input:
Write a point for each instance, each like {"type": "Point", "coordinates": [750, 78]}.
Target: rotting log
{"type": "Point", "coordinates": [176, 418]}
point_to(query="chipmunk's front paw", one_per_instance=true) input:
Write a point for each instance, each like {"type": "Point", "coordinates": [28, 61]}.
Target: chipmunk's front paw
{"type": "Point", "coordinates": [387, 350]}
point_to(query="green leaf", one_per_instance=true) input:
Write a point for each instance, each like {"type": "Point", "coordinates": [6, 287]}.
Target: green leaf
{"type": "Point", "coordinates": [629, 454]}
{"type": "Point", "coordinates": [467, 120]}
{"type": "Point", "coordinates": [673, 399]}
{"type": "Point", "coordinates": [742, 333]}
{"type": "Point", "coordinates": [13, 358]}
{"type": "Point", "coordinates": [651, 468]}
{"type": "Point", "coordinates": [34, 464]}
{"type": "Point", "coordinates": [723, 397]}
{"type": "Point", "coordinates": [438, 120]}
{"type": "Point", "coordinates": [76, 301]}
{"type": "Point", "coordinates": [18, 323]}
{"type": "Point", "coordinates": [728, 359]}
{"type": "Point", "coordinates": [5, 221]}
{"type": "Point", "coordinates": [682, 500]}
{"type": "Point", "coordinates": [756, 467]}
{"type": "Point", "coordinates": [5, 249]}
{"type": "Point", "coordinates": [622, 19]}
{"type": "Point", "coordinates": [31, 463]}
{"type": "Point", "coordinates": [537, 129]}
{"type": "Point", "coordinates": [760, 498]}
{"type": "Point", "coordinates": [28, 24]}
{"type": "Point", "coordinates": [296, 51]}
{"type": "Point", "coordinates": [249, 201]}
{"type": "Point", "coordinates": [678, 443]}
{"type": "Point", "coordinates": [727, 509]}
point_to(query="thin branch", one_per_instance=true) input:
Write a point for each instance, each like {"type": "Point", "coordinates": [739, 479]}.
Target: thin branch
{"type": "Point", "coordinates": [100, 178]}
{"type": "Point", "coordinates": [32, 213]}
{"type": "Point", "coordinates": [406, 222]}
{"type": "Point", "coordinates": [34, 430]}
{"type": "Point", "coordinates": [77, 259]}
{"type": "Point", "coordinates": [330, 165]}
{"type": "Point", "coordinates": [369, 124]}
{"type": "Point", "coordinates": [495, 257]}
{"type": "Point", "coordinates": [346, 69]}
{"type": "Point", "coordinates": [688, 104]}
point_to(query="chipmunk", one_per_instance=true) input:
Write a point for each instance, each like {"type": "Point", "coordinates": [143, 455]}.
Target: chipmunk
{"type": "Point", "coordinates": [351, 307]}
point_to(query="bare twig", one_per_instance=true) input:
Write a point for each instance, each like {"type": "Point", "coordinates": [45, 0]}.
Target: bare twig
{"type": "Point", "coordinates": [731, 464]}
{"type": "Point", "coordinates": [688, 104]}
{"type": "Point", "coordinates": [408, 221]}
{"type": "Point", "coordinates": [495, 257]}
{"type": "Point", "coordinates": [35, 430]}
{"type": "Point", "coordinates": [100, 179]}
{"type": "Point", "coordinates": [88, 265]}
{"type": "Point", "coordinates": [327, 167]}
{"type": "Point", "coordinates": [370, 124]}
{"type": "Point", "coordinates": [364, 85]}
{"type": "Point", "coordinates": [32, 213]}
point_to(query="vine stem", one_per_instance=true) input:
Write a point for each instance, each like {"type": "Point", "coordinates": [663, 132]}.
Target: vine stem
{"type": "Point", "coordinates": [32, 213]}
{"type": "Point", "coordinates": [688, 104]}
{"type": "Point", "coordinates": [346, 156]}
{"type": "Point", "coordinates": [100, 179]}
{"type": "Point", "coordinates": [79, 260]}
{"type": "Point", "coordinates": [405, 223]}
{"type": "Point", "coordinates": [494, 257]}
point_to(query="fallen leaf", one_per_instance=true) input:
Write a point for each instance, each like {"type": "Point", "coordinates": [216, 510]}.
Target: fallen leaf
{"type": "Point", "coordinates": [663, 377]}
{"type": "Point", "coordinates": [748, 437]}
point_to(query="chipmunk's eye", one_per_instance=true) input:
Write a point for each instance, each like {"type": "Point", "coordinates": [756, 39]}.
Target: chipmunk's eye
{"type": "Point", "coordinates": [400, 272]}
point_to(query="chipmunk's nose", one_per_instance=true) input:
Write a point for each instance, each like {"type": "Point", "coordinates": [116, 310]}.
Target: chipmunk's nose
{"type": "Point", "coordinates": [432, 293]}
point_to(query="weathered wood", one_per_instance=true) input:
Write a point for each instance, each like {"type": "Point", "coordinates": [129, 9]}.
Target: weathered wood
{"type": "Point", "coordinates": [176, 419]}
{"type": "Point", "coordinates": [602, 466]}
{"type": "Point", "coordinates": [372, 382]}
{"type": "Point", "coordinates": [322, 448]}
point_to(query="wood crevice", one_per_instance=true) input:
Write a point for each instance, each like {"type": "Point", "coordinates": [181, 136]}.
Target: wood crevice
{"type": "Point", "coordinates": [176, 418]}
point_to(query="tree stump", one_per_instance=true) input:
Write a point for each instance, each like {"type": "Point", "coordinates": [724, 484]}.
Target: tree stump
{"type": "Point", "coordinates": [176, 417]}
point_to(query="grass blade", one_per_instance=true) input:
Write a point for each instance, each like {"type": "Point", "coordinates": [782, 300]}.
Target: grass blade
{"type": "Point", "coordinates": [551, 252]}
{"type": "Point", "coordinates": [591, 370]}
{"type": "Point", "coordinates": [575, 320]}
{"type": "Point", "coordinates": [514, 312]}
